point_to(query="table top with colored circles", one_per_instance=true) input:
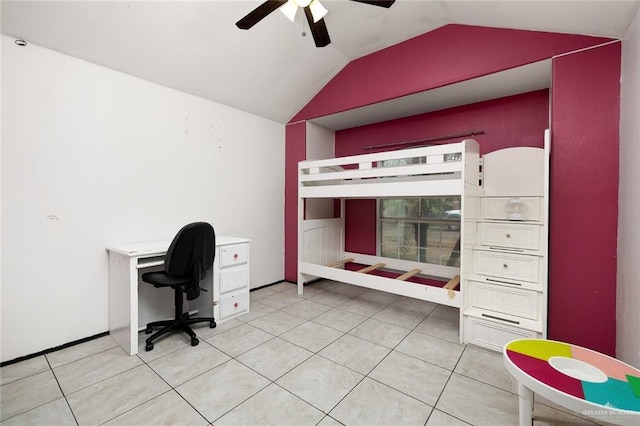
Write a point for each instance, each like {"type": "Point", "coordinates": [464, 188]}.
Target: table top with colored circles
{"type": "Point", "coordinates": [577, 371]}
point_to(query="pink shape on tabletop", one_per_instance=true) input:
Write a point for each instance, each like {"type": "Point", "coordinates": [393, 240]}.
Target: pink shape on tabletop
{"type": "Point", "coordinates": [545, 373]}
{"type": "Point", "coordinates": [609, 366]}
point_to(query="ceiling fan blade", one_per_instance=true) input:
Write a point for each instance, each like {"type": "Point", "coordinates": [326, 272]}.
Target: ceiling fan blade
{"type": "Point", "coordinates": [318, 29]}
{"type": "Point", "coordinates": [386, 4]}
{"type": "Point", "coordinates": [259, 13]}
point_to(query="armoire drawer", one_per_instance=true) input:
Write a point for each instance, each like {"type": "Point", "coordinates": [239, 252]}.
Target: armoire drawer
{"type": "Point", "coordinates": [234, 254]}
{"type": "Point", "coordinates": [234, 304]}
{"type": "Point", "coordinates": [513, 301]}
{"type": "Point", "coordinates": [493, 335]}
{"type": "Point", "coordinates": [506, 265]}
{"type": "Point", "coordinates": [511, 235]}
{"type": "Point", "coordinates": [496, 208]}
{"type": "Point", "coordinates": [233, 278]}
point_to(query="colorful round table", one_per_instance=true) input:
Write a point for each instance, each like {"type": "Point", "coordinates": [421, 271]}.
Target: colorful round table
{"type": "Point", "coordinates": [577, 378]}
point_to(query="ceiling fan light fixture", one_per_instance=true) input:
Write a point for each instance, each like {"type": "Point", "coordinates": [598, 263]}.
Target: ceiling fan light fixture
{"type": "Point", "coordinates": [317, 10]}
{"type": "Point", "coordinates": [289, 9]}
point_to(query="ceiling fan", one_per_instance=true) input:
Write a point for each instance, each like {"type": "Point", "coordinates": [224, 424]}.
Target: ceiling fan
{"type": "Point", "coordinates": [313, 10]}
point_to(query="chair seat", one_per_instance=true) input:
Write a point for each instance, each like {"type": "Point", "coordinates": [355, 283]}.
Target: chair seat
{"type": "Point", "coordinates": [160, 279]}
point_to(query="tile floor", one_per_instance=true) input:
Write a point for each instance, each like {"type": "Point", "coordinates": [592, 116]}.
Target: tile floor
{"type": "Point", "coordinates": [339, 354]}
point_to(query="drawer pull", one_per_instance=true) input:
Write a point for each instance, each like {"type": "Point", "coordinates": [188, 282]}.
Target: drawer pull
{"type": "Point", "coordinates": [235, 305]}
{"type": "Point", "coordinates": [501, 319]}
{"type": "Point", "coordinates": [506, 249]}
{"type": "Point", "coordinates": [508, 235]}
{"type": "Point", "coordinates": [503, 282]}
{"type": "Point", "coordinates": [235, 256]}
{"type": "Point", "coordinates": [504, 265]}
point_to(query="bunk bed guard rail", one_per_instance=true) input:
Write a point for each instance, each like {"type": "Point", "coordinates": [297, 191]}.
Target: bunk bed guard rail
{"type": "Point", "coordinates": [386, 174]}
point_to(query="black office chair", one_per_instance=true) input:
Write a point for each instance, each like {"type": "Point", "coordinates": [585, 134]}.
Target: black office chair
{"type": "Point", "coordinates": [188, 259]}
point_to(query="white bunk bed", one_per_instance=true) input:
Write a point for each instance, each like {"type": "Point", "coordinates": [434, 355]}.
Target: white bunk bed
{"type": "Point", "coordinates": [443, 170]}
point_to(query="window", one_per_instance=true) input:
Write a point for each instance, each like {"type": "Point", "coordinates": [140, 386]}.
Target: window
{"type": "Point", "coordinates": [425, 229]}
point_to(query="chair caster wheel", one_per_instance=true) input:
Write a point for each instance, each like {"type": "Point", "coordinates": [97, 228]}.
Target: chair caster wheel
{"type": "Point", "coordinates": [148, 347]}
{"type": "Point", "coordinates": [212, 324]}
{"type": "Point", "coordinates": [194, 341]}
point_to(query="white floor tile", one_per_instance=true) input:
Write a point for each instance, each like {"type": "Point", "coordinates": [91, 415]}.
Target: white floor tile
{"type": "Point", "coordinates": [220, 390]}
{"type": "Point", "coordinates": [362, 307]}
{"type": "Point", "coordinates": [487, 367]}
{"type": "Point", "coordinates": [74, 353]}
{"type": "Point", "coordinates": [277, 322]}
{"type": "Point", "coordinates": [261, 410]}
{"type": "Point", "coordinates": [204, 332]}
{"type": "Point", "coordinates": [166, 409]}
{"type": "Point", "coordinates": [274, 358]}
{"type": "Point", "coordinates": [93, 369]}
{"type": "Point", "coordinates": [412, 376]}
{"type": "Point", "coordinates": [20, 370]}
{"type": "Point", "coordinates": [306, 309]}
{"type": "Point", "coordinates": [165, 345]}
{"type": "Point", "coordinates": [26, 394]}
{"type": "Point", "coordinates": [239, 339]}
{"type": "Point", "coordinates": [185, 364]}
{"type": "Point", "coordinates": [478, 403]}
{"type": "Point", "coordinates": [441, 328]}
{"type": "Point", "coordinates": [55, 412]}
{"type": "Point", "coordinates": [340, 319]}
{"type": "Point", "coordinates": [357, 354]}
{"type": "Point", "coordinates": [380, 332]}
{"type": "Point", "coordinates": [397, 315]}
{"type": "Point", "coordinates": [311, 336]}
{"type": "Point", "coordinates": [438, 418]}
{"type": "Point", "coordinates": [256, 310]}
{"type": "Point", "coordinates": [431, 349]}
{"type": "Point", "coordinates": [320, 382]}
{"type": "Point", "coordinates": [372, 403]}
{"type": "Point", "coordinates": [110, 398]}
{"type": "Point", "coordinates": [447, 313]}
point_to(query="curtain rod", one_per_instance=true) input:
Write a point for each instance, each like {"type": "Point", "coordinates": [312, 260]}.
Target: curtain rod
{"type": "Point", "coordinates": [433, 139]}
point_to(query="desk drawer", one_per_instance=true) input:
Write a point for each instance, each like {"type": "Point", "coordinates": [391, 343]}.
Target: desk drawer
{"type": "Point", "coordinates": [235, 254]}
{"type": "Point", "coordinates": [510, 266]}
{"type": "Point", "coordinates": [513, 301]}
{"type": "Point", "coordinates": [234, 304]}
{"type": "Point", "coordinates": [234, 279]}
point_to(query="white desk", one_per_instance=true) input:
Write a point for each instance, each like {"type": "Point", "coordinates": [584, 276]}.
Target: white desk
{"type": "Point", "coordinates": [127, 310]}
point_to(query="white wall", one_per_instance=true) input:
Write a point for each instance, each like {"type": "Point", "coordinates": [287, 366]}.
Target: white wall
{"type": "Point", "coordinates": [628, 294]}
{"type": "Point", "coordinates": [93, 157]}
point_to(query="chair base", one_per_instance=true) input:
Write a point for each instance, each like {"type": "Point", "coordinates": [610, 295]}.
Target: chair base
{"type": "Point", "coordinates": [176, 325]}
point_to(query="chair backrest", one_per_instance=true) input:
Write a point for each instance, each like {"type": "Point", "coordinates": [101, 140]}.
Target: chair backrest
{"type": "Point", "coordinates": [191, 253]}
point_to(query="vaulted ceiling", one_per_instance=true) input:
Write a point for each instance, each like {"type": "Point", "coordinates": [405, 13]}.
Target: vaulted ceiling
{"type": "Point", "coordinates": [271, 70]}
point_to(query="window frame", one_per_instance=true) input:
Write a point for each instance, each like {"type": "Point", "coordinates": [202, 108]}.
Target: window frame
{"type": "Point", "coordinates": [447, 270]}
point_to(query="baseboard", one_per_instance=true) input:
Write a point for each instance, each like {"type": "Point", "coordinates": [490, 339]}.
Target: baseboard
{"type": "Point", "coordinates": [57, 348]}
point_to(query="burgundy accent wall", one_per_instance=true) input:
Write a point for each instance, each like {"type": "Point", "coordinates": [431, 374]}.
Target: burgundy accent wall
{"type": "Point", "coordinates": [584, 198]}
{"type": "Point", "coordinates": [517, 120]}
{"type": "Point", "coordinates": [295, 151]}
{"type": "Point", "coordinates": [512, 121]}
{"type": "Point", "coordinates": [443, 56]}
{"type": "Point", "coordinates": [360, 226]}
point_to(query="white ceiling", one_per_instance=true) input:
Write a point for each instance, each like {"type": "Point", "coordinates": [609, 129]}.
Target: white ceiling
{"type": "Point", "coordinates": [270, 70]}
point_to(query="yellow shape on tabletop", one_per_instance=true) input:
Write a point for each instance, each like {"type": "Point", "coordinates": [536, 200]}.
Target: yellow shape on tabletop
{"type": "Point", "coordinates": [541, 349]}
